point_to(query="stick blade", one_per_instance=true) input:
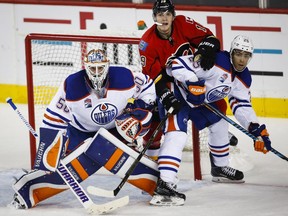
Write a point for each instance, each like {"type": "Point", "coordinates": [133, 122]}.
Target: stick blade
{"type": "Point", "coordinates": [108, 207]}
{"type": "Point", "coordinates": [100, 192]}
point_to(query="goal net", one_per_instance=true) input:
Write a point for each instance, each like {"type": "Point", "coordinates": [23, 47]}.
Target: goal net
{"type": "Point", "coordinates": [50, 58]}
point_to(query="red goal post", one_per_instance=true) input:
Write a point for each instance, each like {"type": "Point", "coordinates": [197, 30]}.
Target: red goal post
{"type": "Point", "coordinates": [51, 57]}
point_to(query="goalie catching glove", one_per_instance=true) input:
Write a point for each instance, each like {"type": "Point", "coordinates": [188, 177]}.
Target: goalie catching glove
{"type": "Point", "coordinates": [133, 123]}
{"type": "Point", "coordinates": [263, 144]}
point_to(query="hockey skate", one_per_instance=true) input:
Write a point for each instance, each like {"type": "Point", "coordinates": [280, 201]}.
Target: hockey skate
{"type": "Point", "coordinates": [166, 195]}
{"type": "Point", "coordinates": [225, 174]}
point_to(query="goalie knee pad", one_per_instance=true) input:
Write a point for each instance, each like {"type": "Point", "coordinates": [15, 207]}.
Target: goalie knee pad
{"type": "Point", "coordinates": [116, 157]}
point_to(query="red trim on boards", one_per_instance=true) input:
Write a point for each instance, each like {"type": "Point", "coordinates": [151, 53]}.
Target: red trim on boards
{"type": "Point", "coordinates": [148, 6]}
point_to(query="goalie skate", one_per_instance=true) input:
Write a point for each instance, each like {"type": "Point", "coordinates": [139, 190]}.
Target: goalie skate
{"type": "Point", "coordinates": [18, 202]}
{"type": "Point", "coordinates": [166, 195]}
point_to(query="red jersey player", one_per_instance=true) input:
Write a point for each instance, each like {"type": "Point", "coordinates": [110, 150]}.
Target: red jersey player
{"type": "Point", "coordinates": [169, 37]}
{"type": "Point", "coordinates": [172, 36]}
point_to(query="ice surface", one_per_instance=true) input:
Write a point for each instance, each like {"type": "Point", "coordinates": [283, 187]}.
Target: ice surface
{"type": "Point", "coordinates": [264, 193]}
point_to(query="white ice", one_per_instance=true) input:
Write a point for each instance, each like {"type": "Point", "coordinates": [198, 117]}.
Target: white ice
{"type": "Point", "coordinates": [264, 193]}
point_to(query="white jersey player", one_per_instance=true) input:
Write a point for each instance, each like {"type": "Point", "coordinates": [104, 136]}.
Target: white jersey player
{"type": "Point", "coordinates": [193, 86]}
{"type": "Point", "coordinates": [94, 98]}
{"type": "Point", "coordinates": [85, 102]}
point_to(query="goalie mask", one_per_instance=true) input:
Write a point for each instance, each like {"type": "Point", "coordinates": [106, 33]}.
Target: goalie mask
{"type": "Point", "coordinates": [241, 47]}
{"type": "Point", "coordinates": [133, 124]}
{"type": "Point", "coordinates": [97, 66]}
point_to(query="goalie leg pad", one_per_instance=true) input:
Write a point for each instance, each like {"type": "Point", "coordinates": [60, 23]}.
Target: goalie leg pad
{"type": "Point", "coordinates": [116, 157]}
{"type": "Point", "coordinates": [51, 148]}
{"type": "Point", "coordinates": [39, 185]}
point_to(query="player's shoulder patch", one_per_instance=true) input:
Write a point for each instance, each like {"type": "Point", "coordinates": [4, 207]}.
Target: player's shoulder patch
{"type": "Point", "coordinates": [223, 61]}
{"type": "Point", "coordinates": [143, 45]}
{"type": "Point", "coordinates": [120, 78]}
{"type": "Point", "coordinates": [147, 37]}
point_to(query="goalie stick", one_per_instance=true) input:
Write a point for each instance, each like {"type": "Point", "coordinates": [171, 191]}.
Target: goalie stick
{"type": "Point", "coordinates": [112, 193]}
{"type": "Point", "coordinates": [217, 112]}
{"type": "Point", "coordinates": [73, 184]}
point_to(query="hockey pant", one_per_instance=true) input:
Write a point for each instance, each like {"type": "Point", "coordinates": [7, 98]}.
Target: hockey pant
{"type": "Point", "coordinates": [176, 128]}
{"type": "Point", "coordinates": [84, 161]}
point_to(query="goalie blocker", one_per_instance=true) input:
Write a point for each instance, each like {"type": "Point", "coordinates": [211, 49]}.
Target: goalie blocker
{"type": "Point", "coordinates": [102, 150]}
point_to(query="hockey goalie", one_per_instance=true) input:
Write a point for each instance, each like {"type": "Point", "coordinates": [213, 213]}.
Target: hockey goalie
{"type": "Point", "coordinates": [93, 121]}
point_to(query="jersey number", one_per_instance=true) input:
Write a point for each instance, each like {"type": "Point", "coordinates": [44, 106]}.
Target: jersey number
{"type": "Point", "coordinates": [61, 105]}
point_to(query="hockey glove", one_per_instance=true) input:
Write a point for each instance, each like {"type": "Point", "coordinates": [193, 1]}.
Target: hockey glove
{"type": "Point", "coordinates": [207, 49]}
{"type": "Point", "coordinates": [168, 100]}
{"type": "Point", "coordinates": [196, 92]}
{"type": "Point", "coordinates": [133, 124]}
{"type": "Point", "coordinates": [263, 144]}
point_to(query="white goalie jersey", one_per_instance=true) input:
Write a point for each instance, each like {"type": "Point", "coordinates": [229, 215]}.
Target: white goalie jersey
{"type": "Point", "coordinates": [220, 81]}
{"type": "Point", "coordinates": [77, 104]}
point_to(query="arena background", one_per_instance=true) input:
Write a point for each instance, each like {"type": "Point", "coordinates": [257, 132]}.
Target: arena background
{"type": "Point", "coordinates": [260, 20]}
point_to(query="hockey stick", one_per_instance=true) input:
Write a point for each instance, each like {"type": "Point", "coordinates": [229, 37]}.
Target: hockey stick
{"type": "Point", "coordinates": [113, 193]}
{"type": "Point", "coordinates": [73, 184]}
{"type": "Point", "coordinates": [217, 112]}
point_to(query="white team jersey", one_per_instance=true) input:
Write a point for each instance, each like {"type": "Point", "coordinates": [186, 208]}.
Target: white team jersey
{"type": "Point", "coordinates": [77, 104]}
{"type": "Point", "coordinates": [220, 82]}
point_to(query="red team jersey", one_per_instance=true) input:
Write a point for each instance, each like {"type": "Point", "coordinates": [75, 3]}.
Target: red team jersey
{"type": "Point", "coordinates": [154, 51]}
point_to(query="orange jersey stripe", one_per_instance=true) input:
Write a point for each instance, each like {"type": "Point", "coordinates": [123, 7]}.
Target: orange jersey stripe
{"type": "Point", "coordinates": [53, 119]}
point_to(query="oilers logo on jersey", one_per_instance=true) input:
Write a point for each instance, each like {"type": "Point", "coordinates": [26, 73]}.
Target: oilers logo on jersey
{"type": "Point", "coordinates": [218, 93]}
{"type": "Point", "coordinates": [104, 113]}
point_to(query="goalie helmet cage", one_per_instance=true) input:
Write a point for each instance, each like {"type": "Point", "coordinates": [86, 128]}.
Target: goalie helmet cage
{"type": "Point", "coordinates": [51, 57]}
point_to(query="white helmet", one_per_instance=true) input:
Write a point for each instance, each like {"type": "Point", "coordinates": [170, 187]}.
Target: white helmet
{"type": "Point", "coordinates": [97, 66]}
{"type": "Point", "coordinates": [242, 43]}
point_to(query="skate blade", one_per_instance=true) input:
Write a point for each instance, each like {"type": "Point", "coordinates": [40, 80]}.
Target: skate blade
{"type": "Point", "coordinates": [159, 200]}
{"type": "Point", "coordinates": [226, 180]}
